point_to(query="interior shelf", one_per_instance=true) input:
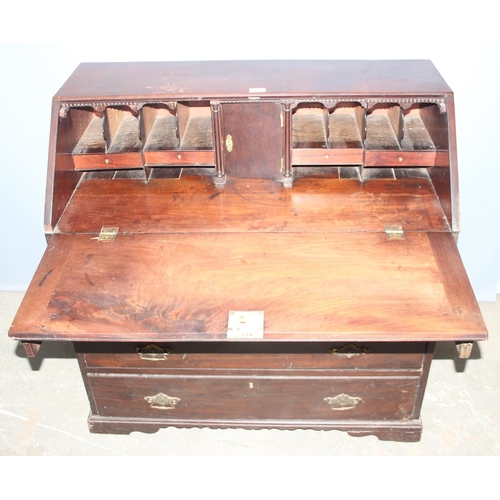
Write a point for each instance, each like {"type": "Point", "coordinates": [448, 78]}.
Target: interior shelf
{"type": "Point", "coordinates": [388, 127]}
{"type": "Point", "coordinates": [328, 137]}
{"type": "Point", "coordinates": [316, 127]}
{"type": "Point", "coordinates": [159, 128]}
{"type": "Point", "coordinates": [183, 127]}
{"type": "Point", "coordinates": [345, 126]}
{"type": "Point", "coordinates": [309, 128]}
{"type": "Point", "coordinates": [180, 134]}
{"type": "Point", "coordinates": [416, 136]}
{"type": "Point", "coordinates": [384, 127]}
{"type": "Point", "coordinates": [195, 126]}
{"type": "Point", "coordinates": [114, 131]}
{"type": "Point", "coordinates": [92, 139]}
{"type": "Point", "coordinates": [119, 137]}
{"type": "Point", "coordinates": [419, 123]}
{"type": "Point", "coordinates": [87, 129]}
{"type": "Point", "coordinates": [121, 130]}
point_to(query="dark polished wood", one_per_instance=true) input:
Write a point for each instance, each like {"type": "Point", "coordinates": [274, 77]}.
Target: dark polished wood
{"type": "Point", "coordinates": [256, 137]}
{"type": "Point", "coordinates": [174, 284]}
{"type": "Point", "coordinates": [323, 194]}
{"type": "Point", "coordinates": [315, 204]}
{"type": "Point", "coordinates": [212, 79]}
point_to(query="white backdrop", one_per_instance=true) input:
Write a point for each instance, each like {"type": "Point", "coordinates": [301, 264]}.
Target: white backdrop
{"type": "Point", "coordinates": [41, 44]}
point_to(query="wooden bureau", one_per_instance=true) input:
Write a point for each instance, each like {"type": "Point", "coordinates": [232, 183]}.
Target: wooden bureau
{"type": "Point", "coordinates": [254, 244]}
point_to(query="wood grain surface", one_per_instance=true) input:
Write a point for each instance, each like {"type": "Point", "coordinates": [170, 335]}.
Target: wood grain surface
{"type": "Point", "coordinates": [311, 286]}
{"type": "Point", "coordinates": [212, 79]}
{"type": "Point", "coordinates": [193, 204]}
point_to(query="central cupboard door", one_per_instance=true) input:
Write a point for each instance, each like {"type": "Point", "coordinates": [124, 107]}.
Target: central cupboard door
{"type": "Point", "coordinates": [253, 139]}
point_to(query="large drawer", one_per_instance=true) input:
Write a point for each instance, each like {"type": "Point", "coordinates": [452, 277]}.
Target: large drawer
{"type": "Point", "coordinates": [253, 356]}
{"type": "Point", "coordinates": [226, 398]}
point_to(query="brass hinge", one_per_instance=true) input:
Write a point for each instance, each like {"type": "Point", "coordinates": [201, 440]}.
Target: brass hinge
{"type": "Point", "coordinates": [394, 232]}
{"type": "Point", "coordinates": [108, 234]}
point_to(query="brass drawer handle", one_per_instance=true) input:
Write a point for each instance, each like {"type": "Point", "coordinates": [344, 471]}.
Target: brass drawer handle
{"type": "Point", "coordinates": [152, 352]}
{"type": "Point", "coordinates": [162, 401]}
{"type": "Point", "coordinates": [348, 351]}
{"type": "Point", "coordinates": [343, 402]}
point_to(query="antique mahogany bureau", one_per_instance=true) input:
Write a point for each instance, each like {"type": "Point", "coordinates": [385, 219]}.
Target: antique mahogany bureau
{"type": "Point", "coordinates": [253, 244]}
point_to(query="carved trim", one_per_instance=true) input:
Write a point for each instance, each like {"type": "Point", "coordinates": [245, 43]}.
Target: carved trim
{"type": "Point", "coordinates": [369, 102]}
{"type": "Point", "coordinates": [100, 106]}
{"type": "Point", "coordinates": [405, 103]}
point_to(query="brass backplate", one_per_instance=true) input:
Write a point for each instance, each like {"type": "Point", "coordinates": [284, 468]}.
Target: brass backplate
{"type": "Point", "coordinates": [152, 352]}
{"type": "Point", "coordinates": [343, 402]}
{"type": "Point", "coordinates": [162, 401]}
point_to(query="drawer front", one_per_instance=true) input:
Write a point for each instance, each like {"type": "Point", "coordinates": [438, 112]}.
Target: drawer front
{"type": "Point", "coordinates": [400, 158]}
{"type": "Point", "coordinates": [353, 156]}
{"type": "Point", "coordinates": [179, 158]}
{"type": "Point", "coordinates": [218, 398]}
{"type": "Point", "coordinates": [252, 356]}
{"type": "Point", "coordinates": [113, 161]}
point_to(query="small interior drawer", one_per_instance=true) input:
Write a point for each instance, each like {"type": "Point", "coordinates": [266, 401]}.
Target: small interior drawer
{"type": "Point", "coordinates": [400, 158]}
{"type": "Point", "coordinates": [112, 161]}
{"type": "Point", "coordinates": [180, 158]}
{"type": "Point", "coordinates": [352, 156]}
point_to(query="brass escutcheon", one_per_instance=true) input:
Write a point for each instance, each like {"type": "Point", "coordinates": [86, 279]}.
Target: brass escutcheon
{"type": "Point", "coordinates": [229, 143]}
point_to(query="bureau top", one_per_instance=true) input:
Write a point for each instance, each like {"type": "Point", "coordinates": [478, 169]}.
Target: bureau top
{"type": "Point", "coordinates": [214, 79]}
